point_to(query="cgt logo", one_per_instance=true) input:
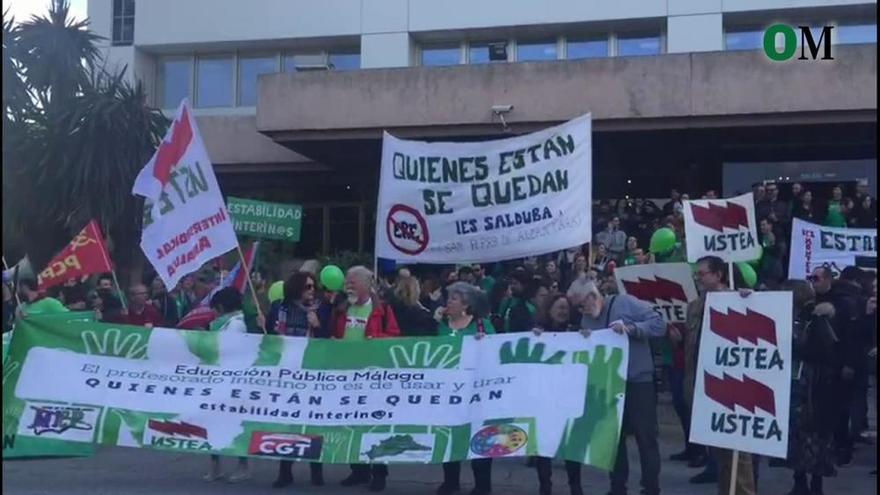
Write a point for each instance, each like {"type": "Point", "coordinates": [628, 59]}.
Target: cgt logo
{"type": "Point", "coordinates": [287, 445]}
{"type": "Point", "coordinates": [781, 42]}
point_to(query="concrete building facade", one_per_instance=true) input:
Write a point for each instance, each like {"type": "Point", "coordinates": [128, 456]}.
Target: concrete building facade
{"type": "Point", "coordinates": [292, 96]}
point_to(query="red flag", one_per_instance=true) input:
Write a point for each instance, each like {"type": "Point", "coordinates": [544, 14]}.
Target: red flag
{"type": "Point", "coordinates": [201, 315]}
{"type": "Point", "coordinates": [86, 254]}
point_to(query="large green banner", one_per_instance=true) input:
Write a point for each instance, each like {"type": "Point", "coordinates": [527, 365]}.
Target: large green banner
{"type": "Point", "coordinates": [416, 400]}
{"type": "Point", "coordinates": [15, 446]}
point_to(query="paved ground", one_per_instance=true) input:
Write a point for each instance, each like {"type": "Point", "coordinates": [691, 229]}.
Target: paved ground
{"type": "Point", "coordinates": [133, 471]}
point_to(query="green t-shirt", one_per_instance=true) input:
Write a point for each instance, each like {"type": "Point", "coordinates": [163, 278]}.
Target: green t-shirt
{"type": "Point", "coordinates": [443, 329]}
{"type": "Point", "coordinates": [356, 321]}
{"type": "Point", "coordinates": [487, 284]}
{"type": "Point", "coordinates": [44, 306]}
{"type": "Point", "coordinates": [835, 217]}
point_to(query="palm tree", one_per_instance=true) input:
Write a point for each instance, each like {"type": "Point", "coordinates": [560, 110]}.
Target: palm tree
{"type": "Point", "coordinates": [77, 137]}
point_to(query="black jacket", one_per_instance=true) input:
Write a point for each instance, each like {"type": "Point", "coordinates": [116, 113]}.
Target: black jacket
{"type": "Point", "coordinates": [847, 323]}
{"type": "Point", "coordinates": [414, 321]}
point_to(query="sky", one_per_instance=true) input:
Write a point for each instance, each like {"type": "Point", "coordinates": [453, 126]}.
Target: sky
{"type": "Point", "coordinates": [23, 9]}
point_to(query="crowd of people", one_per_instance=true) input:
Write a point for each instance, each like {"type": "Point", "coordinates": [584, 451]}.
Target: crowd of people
{"type": "Point", "coordinates": [573, 290]}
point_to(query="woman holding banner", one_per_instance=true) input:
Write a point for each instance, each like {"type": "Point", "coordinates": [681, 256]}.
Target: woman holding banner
{"type": "Point", "coordinates": [556, 316]}
{"type": "Point", "coordinates": [811, 442]}
{"type": "Point", "coordinates": [464, 315]}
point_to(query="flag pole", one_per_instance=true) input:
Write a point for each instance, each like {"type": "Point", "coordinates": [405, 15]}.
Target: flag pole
{"type": "Point", "coordinates": [735, 456]}
{"type": "Point", "coordinates": [14, 289]}
{"type": "Point", "coordinates": [119, 290]}
{"type": "Point", "coordinates": [247, 274]}
{"type": "Point", "coordinates": [100, 235]}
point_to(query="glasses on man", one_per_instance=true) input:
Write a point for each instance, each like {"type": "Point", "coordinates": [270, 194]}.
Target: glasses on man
{"type": "Point", "coordinates": [310, 286]}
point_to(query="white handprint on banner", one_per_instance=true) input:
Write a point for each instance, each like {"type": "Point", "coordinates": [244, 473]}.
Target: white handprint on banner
{"type": "Point", "coordinates": [421, 355]}
{"type": "Point", "coordinates": [131, 346]}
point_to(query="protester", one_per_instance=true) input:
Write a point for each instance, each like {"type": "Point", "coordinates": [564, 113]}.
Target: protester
{"type": "Point", "coordinates": [362, 317]}
{"type": "Point", "coordinates": [613, 238]}
{"type": "Point", "coordinates": [109, 309]}
{"type": "Point", "coordinates": [414, 319]}
{"type": "Point", "coordinates": [796, 190]}
{"type": "Point", "coordinates": [711, 276]}
{"type": "Point", "coordinates": [140, 312]}
{"type": "Point", "coordinates": [674, 204]}
{"type": "Point", "coordinates": [466, 274]}
{"type": "Point", "coordinates": [844, 296]}
{"type": "Point", "coordinates": [34, 303]}
{"type": "Point", "coordinates": [74, 295]}
{"type": "Point", "coordinates": [865, 214]}
{"type": "Point", "coordinates": [861, 291]}
{"type": "Point", "coordinates": [834, 212]}
{"type": "Point", "coordinates": [227, 304]}
{"type": "Point", "coordinates": [627, 315]}
{"type": "Point", "coordinates": [811, 438]}
{"type": "Point", "coordinates": [186, 296]}
{"type": "Point", "coordinates": [520, 312]}
{"type": "Point", "coordinates": [295, 315]}
{"type": "Point", "coordinates": [164, 302]}
{"type": "Point", "coordinates": [483, 280]}
{"type": "Point", "coordinates": [465, 315]}
{"type": "Point", "coordinates": [431, 294]}
{"type": "Point", "coordinates": [804, 209]}
{"type": "Point", "coordinates": [771, 269]}
{"type": "Point", "coordinates": [601, 257]}
{"type": "Point", "coordinates": [8, 307]}
{"type": "Point", "coordinates": [104, 281]}
{"type": "Point", "coordinates": [556, 316]}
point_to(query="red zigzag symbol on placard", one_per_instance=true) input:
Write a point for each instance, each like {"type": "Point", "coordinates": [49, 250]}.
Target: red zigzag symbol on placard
{"type": "Point", "coordinates": [182, 429]}
{"type": "Point", "coordinates": [717, 217]}
{"type": "Point", "coordinates": [653, 290]}
{"type": "Point", "coordinates": [750, 326]}
{"type": "Point", "coordinates": [748, 394]}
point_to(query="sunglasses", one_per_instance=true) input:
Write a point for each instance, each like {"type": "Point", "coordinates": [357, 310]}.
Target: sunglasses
{"type": "Point", "coordinates": [310, 286]}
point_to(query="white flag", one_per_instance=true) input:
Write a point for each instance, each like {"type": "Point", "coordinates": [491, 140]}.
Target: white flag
{"type": "Point", "coordinates": [185, 219]}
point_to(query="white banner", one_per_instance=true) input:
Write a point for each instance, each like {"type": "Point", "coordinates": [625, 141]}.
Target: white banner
{"type": "Point", "coordinates": [724, 227]}
{"type": "Point", "coordinates": [813, 246]}
{"type": "Point", "coordinates": [667, 287]}
{"type": "Point", "coordinates": [743, 379]}
{"type": "Point", "coordinates": [485, 201]}
{"type": "Point", "coordinates": [185, 219]}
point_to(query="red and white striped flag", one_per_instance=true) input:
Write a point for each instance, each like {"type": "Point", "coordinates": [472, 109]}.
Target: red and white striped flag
{"type": "Point", "coordinates": [202, 314]}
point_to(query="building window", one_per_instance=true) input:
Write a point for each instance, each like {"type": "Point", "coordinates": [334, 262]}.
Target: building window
{"type": "Point", "coordinates": [536, 50]}
{"type": "Point", "coordinates": [484, 53]}
{"type": "Point", "coordinates": [478, 54]}
{"type": "Point", "coordinates": [586, 48]}
{"type": "Point", "coordinates": [175, 80]}
{"type": "Point", "coordinates": [744, 40]}
{"type": "Point", "coordinates": [850, 34]}
{"type": "Point", "coordinates": [215, 81]}
{"type": "Point", "coordinates": [123, 22]}
{"type": "Point", "coordinates": [345, 60]}
{"type": "Point", "coordinates": [634, 45]}
{"type": "Point", "coordinates": [249, 70]}
{"type": "Point", "coordinates": [434, 55]}
{"type": "Point", "coordinates": [305, 61]}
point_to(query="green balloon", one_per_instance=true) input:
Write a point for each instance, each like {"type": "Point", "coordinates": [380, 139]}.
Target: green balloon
{"type": "Point", "coordinates": [332, 278]}
{"type": "Point", "coordinates": [662, 241]}
{"type": "Point", "coordinates": [276, 291]}
{"type": "Point", "coordinates": [748, 274]}
{"type": "Point", "coordinates": [757, 261]}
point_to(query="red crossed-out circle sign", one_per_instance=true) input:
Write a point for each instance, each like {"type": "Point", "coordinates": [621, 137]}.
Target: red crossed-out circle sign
{"type": "Point", "coordinates": [407, 230]}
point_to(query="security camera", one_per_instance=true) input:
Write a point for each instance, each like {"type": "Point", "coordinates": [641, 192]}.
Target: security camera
{"type": "Point", "coordinates": [498, 109]}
